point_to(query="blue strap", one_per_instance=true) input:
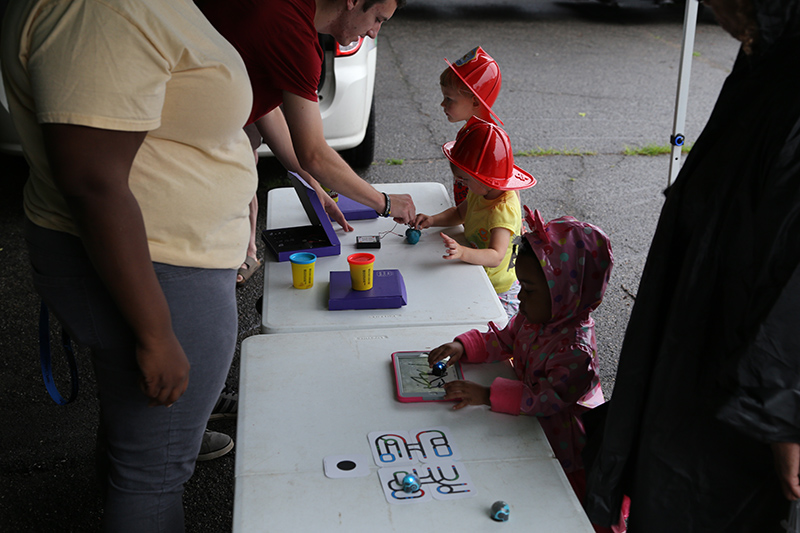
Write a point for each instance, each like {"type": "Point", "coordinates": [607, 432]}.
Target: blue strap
{"type": "Point", "coordinates": [44, 357]}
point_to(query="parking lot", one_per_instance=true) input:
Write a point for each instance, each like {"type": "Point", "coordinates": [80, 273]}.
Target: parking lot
{"type": "Point", "coordinates": [581, 83]}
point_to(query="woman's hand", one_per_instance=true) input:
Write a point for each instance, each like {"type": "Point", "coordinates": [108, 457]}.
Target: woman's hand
{"type": "Point", "coordinates": [467, 392]}
{"type": "Point", "coordinates": [165, 371]}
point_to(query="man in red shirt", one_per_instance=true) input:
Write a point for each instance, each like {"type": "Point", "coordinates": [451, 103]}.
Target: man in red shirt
{"type": "Point", "coordinates": [278, 42]}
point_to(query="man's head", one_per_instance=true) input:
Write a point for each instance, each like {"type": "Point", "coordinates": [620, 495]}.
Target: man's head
{"type": "Point", "coordinates": [360, 18]}
{"type": "Point", "coordinates": [737, 17]}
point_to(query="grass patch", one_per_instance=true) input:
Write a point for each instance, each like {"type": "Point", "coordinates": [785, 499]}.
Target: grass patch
{"type": "Point", "coordinates": [544, 152]}
{"type": "Point", "coordinates": [655, 149]}
{"type": "Point", "coordinates": [392, 161]}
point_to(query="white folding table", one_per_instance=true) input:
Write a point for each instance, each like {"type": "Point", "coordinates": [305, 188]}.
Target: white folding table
{"type": "Point", "coordinates": [439, 291]}
{"type": "Point", "coordinates": [308, 396]}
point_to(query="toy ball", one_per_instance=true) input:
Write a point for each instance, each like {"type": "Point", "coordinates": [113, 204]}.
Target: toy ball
{"type": "Point", "coordinates": [410, 483]}
{"type": "Point", "coordinates": [412, 235]}
{"type": "Point", "coordinates": [439, 369]}
{"type": "Point", "coordinates": [500, 511]}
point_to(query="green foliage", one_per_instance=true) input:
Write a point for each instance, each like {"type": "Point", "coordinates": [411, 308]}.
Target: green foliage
{"type": "Point", "coordinates": [654, 149]}
{"type": "Point", "coordinates": [542, 152]}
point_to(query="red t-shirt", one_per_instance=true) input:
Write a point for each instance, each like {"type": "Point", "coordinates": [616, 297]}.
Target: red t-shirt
{"type": "Point", "coordinates": [278, 43]}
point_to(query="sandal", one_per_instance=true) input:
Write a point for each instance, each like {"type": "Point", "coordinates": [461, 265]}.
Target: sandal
{"type": "Point", "coordinates": [250, 267]}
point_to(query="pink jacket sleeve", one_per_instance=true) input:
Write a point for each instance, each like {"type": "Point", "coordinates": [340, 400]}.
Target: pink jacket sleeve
{"type": "Point", "coordinates": [565, 379]}
{"type": "Point", "coordinates": [494, 345]}
{"type": "Point", "coordinates": [553, 387]}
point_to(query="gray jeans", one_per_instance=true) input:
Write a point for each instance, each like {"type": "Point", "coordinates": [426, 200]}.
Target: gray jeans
{"type": "Point", "coordinates": [149, 452]}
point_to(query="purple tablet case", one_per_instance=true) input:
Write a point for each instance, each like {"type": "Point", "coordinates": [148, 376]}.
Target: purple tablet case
{"type": "Point", "coordinates": [353, 210]}
{"type": "Point", "coordinates": [319, 238]}
{"type": "Point", "coordinates": [388, 292]}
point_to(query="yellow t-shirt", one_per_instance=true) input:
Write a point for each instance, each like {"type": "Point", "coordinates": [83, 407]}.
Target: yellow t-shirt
{"type": "Point", "coordinates": [139, 65]}
{"type": "Point", "coordinates": [481, 218]}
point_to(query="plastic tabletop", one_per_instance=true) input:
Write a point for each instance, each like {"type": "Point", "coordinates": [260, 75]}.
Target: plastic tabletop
{"type": "Point", "coordinates": [308, 396]}
{"type": "Point", "coordinates": [439, 291]}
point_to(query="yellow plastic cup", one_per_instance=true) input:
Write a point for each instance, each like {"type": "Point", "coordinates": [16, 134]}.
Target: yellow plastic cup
{"type": "Point", "coordinates": [303, 269]}
{"type": "Point", "coordinates": [361, 271]}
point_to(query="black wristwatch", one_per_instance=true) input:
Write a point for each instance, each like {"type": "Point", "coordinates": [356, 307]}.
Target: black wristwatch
{"type": "Point", "coordinates": [387, 211]}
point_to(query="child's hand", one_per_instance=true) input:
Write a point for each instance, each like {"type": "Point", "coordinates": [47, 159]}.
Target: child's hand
{"type": "Point", "coordinates": [453, 250]}
{"type": "Point", "coordinates": [423, 221]}
{"type": "Point", "coordinates": [454, 350]}
{"type": "Point", "coordinates": [468, 392]}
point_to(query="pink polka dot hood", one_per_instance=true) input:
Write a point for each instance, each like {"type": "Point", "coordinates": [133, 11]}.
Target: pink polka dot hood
{"type": "Point", "coordinates": [576, 258]}
{"type": "Point", "coordinates": [555, 363]}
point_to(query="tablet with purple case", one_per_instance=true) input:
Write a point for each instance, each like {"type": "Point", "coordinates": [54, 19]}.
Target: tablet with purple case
{"type": "Point", "coordinates": [318, 238]}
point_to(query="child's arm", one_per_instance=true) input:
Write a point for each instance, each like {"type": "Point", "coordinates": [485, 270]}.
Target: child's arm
{"type": "Point", "coordinates": [493, 345]}
{"type": "Point", "coordinates": [475, 347]}
{"type": "Point", "coordinates": [492, 256]}
{"type": "Point", "coordinates": [452, 216]}
{"type": "Point", "coordinates": [550, 389]}
{"type": "Point", "coordinates": [467, 392]}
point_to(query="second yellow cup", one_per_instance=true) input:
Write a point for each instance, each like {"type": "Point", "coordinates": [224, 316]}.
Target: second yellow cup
{"type": "Point", "coordinates": [303, 269]}
{"type": "Point", "coordinates": [361, 271]}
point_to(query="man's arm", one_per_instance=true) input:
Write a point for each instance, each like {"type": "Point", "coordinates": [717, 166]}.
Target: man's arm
{"type": "Point", "coordinates": [91, 169]}
{"type": "Point", "coordinates": [275, 132]}
{"type": "Point", "coordinates": [321, 161]}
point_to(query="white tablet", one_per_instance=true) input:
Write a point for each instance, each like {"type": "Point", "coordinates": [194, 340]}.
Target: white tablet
{"type": "Point", "coordinates": [415, 380]}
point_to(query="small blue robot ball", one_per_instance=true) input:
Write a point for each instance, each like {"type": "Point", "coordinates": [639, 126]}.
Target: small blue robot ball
{"type": "Point", "coordinates": [410, 483]}
{"type": "Point", "coordinates": [500, 511]}
{"type": "Point", "coordinates": [412, 235]}
{"type": "Point", "coordinates": [439, 369]}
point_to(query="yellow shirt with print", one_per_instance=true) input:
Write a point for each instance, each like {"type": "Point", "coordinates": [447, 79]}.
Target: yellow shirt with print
{"type": "Point", "coordinates": [481, 218]}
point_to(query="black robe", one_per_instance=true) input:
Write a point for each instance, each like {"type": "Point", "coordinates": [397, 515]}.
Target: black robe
{"type": "Point", "coordinates": [709, 372]}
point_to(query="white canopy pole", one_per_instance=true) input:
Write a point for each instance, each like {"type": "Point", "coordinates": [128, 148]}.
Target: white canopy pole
{"type": "Point", "coordinates": [678, 138]}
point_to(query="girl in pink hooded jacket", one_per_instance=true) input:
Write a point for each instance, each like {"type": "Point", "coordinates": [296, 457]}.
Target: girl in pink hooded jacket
{"type": "Point", "coordinates": [563, 267]}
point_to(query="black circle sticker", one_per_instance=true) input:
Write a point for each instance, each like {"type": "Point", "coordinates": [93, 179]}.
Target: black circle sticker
{"type": "Point", "coordinates": [345, 465]}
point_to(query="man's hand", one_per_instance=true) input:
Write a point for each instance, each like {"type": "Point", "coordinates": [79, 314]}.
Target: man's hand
{"type": "Point", "coordinates": [467, 392]}
{"type": "Point", "coordinates": [403, 209]}
{"type": "Point", "coordinates": [787, 464]}
{"type": "Point", "coordinates": [332, 208]}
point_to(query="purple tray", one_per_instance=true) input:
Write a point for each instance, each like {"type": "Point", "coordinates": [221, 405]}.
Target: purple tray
{"type": "Point", "coordinates": [353, 210]}
{"type": "Point", "coordinates": [388, 292]}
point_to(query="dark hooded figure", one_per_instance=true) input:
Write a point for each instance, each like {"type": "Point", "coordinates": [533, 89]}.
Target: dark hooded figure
{"type": "Point", "coordinates": [703, 427]}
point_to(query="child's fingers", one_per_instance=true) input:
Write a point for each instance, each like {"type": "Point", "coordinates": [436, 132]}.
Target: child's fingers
{"type": "Point", "coordinates": [421, 222]}
{"type": "Point", "coordinates": [460, 405]}
{"type": "Point", "coordinates": [436, 355]}
{"type": "Point", "coordinates": [451, 247]}
{"type": "Point", "coordinates": [444, 351]}
{"type": "Point", "coordinates": [455, 391]}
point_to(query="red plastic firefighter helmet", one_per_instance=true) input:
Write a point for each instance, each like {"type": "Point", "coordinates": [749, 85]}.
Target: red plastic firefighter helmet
{"type": "Point", "coordinates": [480, 73]}
{"type": "Point", "coordinates": [483, 150]}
